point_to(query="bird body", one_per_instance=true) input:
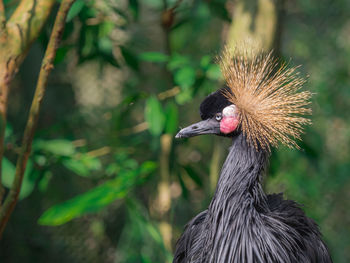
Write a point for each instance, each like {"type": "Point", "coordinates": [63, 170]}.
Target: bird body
{"type": "Point", "coordinates": [243, 224]}
{"type": "Point", "coordinates": [259, 107]}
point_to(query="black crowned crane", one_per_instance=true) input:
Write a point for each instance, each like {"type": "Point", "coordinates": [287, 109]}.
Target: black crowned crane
{"type": "Point", "coordinates": [260, 106]}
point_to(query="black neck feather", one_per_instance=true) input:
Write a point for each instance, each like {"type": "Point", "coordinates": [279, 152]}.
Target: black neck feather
{"type": "Point", "coordinates": [239, 197]}
{"type": "Point", "coordinates": [241, 175]}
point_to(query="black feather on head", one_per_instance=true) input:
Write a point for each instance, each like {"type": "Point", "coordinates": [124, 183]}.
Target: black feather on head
{"type": "Point", "coordinates": [214, 103]}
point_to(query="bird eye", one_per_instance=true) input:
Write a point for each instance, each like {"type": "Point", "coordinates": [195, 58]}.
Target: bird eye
{"type": "Point", "coordinates": [218, 116]}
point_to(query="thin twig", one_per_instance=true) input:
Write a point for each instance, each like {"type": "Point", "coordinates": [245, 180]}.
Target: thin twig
{"type": "Point", "coordinates": [100, 152]}
{"type": "Point", "coordinates": [169, 93]}
{"type": "Point", "coordinates": [46, 67]}
{"type": "Point", "coordinates": [135, 129]}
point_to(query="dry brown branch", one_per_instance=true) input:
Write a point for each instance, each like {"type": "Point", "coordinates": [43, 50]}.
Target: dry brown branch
{"type": "Point", "coordinates": [46, 67]}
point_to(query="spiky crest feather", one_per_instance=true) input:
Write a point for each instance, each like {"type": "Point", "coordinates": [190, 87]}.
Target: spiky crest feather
{"type": "Point", "coordinates": [268, 97]}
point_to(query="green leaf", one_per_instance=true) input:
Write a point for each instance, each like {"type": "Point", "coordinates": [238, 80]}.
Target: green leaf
{"type": "Point", "coordinates": [122, 162]}
{"type": "Point", "coordinates": [129, 164]}
{"type": "Point", "coordinates": [28, 183]}
{"type": "Point", "coordinates": [91, 201]}
{"type": "Point", "coordinates": [87, 42]}
{"type": "Point", "coordinates": [184, 96]}
{"type": "Point", "coordinates": [214, 72]}
{"type": "Point", "coordinates": [93, 163]}
{"type": "Point", "coordinates": [154, 57]}
{"type": "Point", "coordinates": [193, 175]}
{"type": "Point", "coordinates": [82, 164]}
{"type": "Point", "coordinates": [56, 147]}
{"type": "Point", "coordinates": [154, 116]}
{"type": "Point", "coordinates": [177, 61]}
{"type": "Point", "coordinates": [96, 198]}
{"type": "Point", "coordinates": [130, 58]}
{"type": "Point", "coordinates": [205, 62]}
{"type": "Point", "coordinates": [8, 131]}
{"type": "Point", "coordinates": [154, 233]}
{"type": "Point", "coordinates": [39, 159]}
{"type": "Point", "coordinates": [105, 29]}
{"type": "Point", "coordinates": [8, 174]}
{"type": "Point", "coordinates": [76, 166]}
{"type": "Point", "coordinates": [172, 118]}
{"type": "Point", "coordinates": [60, 54]}
{"type": "Point", "coordinates": [137, 215]}
{"type": "Point", "coordinates": [44, 182]}
{"type": "Point", "coordinates": [185, 77]}
{"type": "Point", "coordinates": [147, 167]}
{"type": "Point", "coordinates": [75, 9]}
{"type": "Point", "coordinates": [140, 224]}
{"type": "Point", "coordinates": [105, 45]}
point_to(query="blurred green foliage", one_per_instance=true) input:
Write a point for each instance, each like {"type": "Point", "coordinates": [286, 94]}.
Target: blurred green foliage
{"type": "Point", "coordinates": [96, 198]}
{"type": "Point", "coordinates": [123, 79]}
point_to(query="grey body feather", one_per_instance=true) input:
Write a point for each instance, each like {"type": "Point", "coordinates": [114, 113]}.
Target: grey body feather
{"type": "Point", "coordinates": [243, 224]}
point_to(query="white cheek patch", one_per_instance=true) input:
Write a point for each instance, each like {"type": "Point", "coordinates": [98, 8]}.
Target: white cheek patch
{"type": "Point", "coordinates": [229, 111]}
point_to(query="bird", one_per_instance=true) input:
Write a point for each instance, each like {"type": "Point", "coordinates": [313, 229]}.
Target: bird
{"type": "Point", "coordinates": [262, 105]}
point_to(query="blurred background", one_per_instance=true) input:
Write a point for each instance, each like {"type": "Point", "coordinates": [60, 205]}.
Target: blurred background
{"type": "Point", "coordinates": [107, 182]}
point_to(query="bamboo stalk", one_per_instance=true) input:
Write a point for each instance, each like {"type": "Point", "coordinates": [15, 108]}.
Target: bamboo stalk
{"type": "Point", "coordinates": [164, 193]}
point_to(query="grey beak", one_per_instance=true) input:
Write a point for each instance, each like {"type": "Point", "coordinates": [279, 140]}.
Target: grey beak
{"type": "Point", "coordinates": [208, 126]}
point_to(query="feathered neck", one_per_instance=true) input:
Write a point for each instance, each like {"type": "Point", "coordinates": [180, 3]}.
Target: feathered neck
{"type": "Point", "coordinates": [241, 175]}
{"type": "Point", "coordinates": [239, 197]}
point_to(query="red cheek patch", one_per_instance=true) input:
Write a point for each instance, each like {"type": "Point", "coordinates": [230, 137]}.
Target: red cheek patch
{"type": "Point", "coordinates": [228, 124]}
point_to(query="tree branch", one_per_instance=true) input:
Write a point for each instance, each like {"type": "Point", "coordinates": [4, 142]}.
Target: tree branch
{"type": "Point", "coordinates": [21, 29]}
{"type": "Point", "coordinates": [26, 23]}
{"type": "Point", "coordinates": [46, 67]}
{"type": "Point", "coordinates": [16, 36]}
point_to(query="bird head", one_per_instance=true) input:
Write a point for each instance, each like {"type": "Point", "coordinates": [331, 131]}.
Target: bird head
{"type": "Point", "coordinates": [261, 100]}
{"type": "Point", "coordinates": [219, 116]}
